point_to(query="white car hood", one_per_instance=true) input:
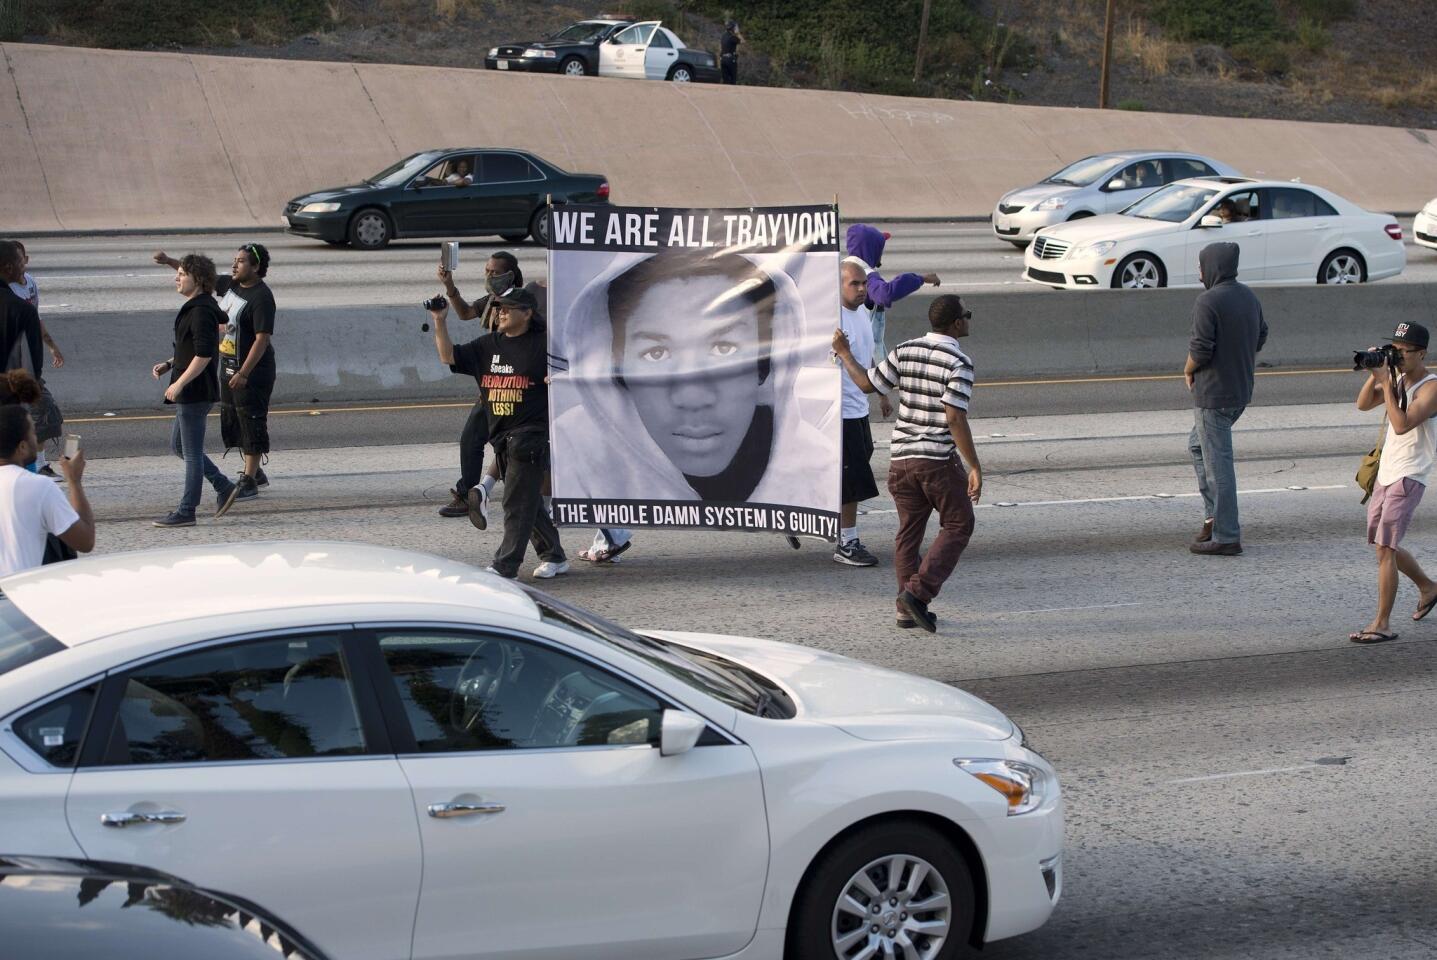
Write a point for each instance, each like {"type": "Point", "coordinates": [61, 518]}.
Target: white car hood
{"type": "Point", "coordinates": [1108, 226]}
{"type": "Point", "coordinates": [863, 700]}
{"type": "Point", "coordinates": [1037, 193]}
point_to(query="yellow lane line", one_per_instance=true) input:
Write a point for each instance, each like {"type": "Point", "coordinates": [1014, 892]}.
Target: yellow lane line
{"type": "Point", "coordinates": [308, 411]}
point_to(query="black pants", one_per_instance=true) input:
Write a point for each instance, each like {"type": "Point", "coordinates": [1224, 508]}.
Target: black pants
{"type": "Point", "coordinates": [471, 449]}
{"type": "Point", "coordinates": [244, 413]}
{"type": "Point", "coordinates": [524, 459]}
{"type": "Point", "coordinates": [728, 68]}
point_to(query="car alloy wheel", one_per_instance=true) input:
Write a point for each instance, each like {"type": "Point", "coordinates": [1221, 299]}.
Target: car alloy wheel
{"type": "Point", "coordinates": [1139, 273]}
{"type": "Point", "coordinates": [681, 75]}
{"type": "Point", "coordinates": [539, 227]}
{"type": "Point", "coordinates": [896, 906]}
{"type": "Point", "coordinates": [574, 67]}
{"type": "Point", "coordinates": [370, 229]}
{"type": "Point", "coordinates": [1342, 268]}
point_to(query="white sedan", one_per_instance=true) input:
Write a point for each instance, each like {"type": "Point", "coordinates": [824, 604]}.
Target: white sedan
{"type": "Point", "coordinates": [1288, 233]}
{"type": "Point", "coordinates": [411, 758]}
{"type": "Point", "coordinates": [1424, 227]}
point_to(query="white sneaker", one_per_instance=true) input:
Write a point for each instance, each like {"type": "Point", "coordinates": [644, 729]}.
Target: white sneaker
{"type": "Point", "coordinates": [496, 573]}
{"type": "Point", "coordinates": [548, 570]}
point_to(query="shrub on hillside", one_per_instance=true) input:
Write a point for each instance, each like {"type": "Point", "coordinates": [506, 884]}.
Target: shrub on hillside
{"type": "Point", "coordinates": [1224, 22]}
{"type": "Point", "coordinates": [1326, 11]}
{"type": "Point", "coordinates": [159, 23]}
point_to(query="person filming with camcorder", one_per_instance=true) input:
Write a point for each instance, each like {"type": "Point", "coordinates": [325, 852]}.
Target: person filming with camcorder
{"type": "Point", "coordinates": [1396, 472]}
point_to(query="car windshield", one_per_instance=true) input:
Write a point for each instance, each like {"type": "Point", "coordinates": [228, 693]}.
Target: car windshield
{"type": "Point", "coordinates": [21, 639]}
{"type": "Point", "coordinates": [400, 172]}
{"type": "Point", "coordinates": [719, 678]}
{"type": "Point", "coordinates": [1173, 203]}
{"type": "Point", "coordinates": [1083, 172]}
{"type": "Point", "coordinates": [580, 32]}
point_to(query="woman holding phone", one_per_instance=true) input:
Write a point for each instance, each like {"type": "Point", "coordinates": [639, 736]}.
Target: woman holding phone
{"type": "Point", "coordinates": [194, 385]}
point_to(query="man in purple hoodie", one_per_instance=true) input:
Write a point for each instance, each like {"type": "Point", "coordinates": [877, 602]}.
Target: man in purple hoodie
{"type": "Point", "coordinates": [865, 247]}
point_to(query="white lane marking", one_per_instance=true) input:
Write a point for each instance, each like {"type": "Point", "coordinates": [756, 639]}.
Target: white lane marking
{"type": "Point", "coordinates": [1090, 606]}
{"type": "Point", "coordinates": [1243, 773]}
{"type": "Point", "coordinates": [1141, 496]}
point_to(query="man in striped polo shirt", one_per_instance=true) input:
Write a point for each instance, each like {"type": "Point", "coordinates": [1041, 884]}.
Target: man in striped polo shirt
{"type": "Point", "coordinates": [934, 379]}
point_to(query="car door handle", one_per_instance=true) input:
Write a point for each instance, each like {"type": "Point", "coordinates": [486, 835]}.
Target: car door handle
{"type": "Point", "coordinates": [454, 808]}
{"type": "Point", "coordinates": [129, 818]}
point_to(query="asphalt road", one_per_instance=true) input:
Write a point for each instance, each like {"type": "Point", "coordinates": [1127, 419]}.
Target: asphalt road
{"type": "Point", "coordinates": [1241, 781]}
{"type": "Point", "coordinates": [94, 274]}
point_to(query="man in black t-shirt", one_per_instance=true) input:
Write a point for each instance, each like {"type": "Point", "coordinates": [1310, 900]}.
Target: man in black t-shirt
{"type": "Point", "coordinates": [246, 365]}
{"type": "Point", "coordinates": [728, 50]}
{"type": "Point", "coordinates": [512, 366]}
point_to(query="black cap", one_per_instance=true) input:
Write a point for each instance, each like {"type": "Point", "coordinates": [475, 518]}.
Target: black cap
{"type": "Point", "coordinates": [517, 297]}
{"type": "Point", "coordinates": [1413, 334]}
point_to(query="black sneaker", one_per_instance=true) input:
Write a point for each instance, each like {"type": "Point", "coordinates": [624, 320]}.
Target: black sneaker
{"type": "Point", "coordinates": [224, 499]}
{"type": "Point", "coordinates": [260, 480]}
{"type": "Point", "coordinates": [244, 489]}
{"type": "Point", "coordinates": [855, 554]}
{"type": "Point", "coordinates": [177, 519]}
{"type": "Point", "coordinates": [918, 610]}
{"type": "Point", "coordinates": [49, 471]}
{"type": "Point", "coordinates": [476, 505]}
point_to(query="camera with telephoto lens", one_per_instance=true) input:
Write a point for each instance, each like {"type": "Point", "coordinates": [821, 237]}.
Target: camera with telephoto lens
{"type": "Point", "coordinates": [1384, 356]}
{"type": "Point", "coordinates": [435, 303]}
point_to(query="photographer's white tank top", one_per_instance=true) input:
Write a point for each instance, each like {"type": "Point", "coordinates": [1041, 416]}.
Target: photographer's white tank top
{"type": "Point", "coordinates": [1412, 453]}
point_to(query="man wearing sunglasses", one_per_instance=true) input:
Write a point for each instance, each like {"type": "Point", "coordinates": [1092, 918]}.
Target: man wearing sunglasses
{"type": "Point", "coordinates": [1228, 330]}
{"type": "Point", "coordinates": [1402, 473]}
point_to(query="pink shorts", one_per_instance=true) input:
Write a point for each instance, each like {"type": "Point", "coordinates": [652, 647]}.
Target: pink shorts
{"type": "Point", "coordinates": [1390, 510]}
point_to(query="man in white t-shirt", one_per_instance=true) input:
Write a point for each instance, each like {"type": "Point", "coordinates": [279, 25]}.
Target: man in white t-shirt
{"type": "Point", "coordinates": [31, 506]}
{"type": "Point", "coordinates": [857, 483]}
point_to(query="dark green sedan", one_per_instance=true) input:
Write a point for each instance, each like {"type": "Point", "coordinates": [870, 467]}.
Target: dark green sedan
{"type": "Point", "coordinates": [458, 192]}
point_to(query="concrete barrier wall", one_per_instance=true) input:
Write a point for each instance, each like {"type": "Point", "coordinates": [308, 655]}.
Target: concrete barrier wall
{"type": "Point", "coordinates": [381, 353]}
{"type": "Point", "coordinates": [100, 139]}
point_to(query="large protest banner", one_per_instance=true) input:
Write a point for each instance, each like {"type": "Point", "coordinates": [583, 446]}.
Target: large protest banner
{"type": "Point", "coordinates": [692, 383]}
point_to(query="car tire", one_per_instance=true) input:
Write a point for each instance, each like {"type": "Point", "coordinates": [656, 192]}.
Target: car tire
{"type": "Point", "coordinates": [513, 237]}
{"type": "Point", "coordinates": [574, 67]}
{"type": "Point", "coordinates": [681, 73]}
{"type": "Point", "coordinates": [1137, 267]}
{"type": "Point", "coordinates": [539, 227]}
{"type": "Point", "coordinates": [819, 928]}
{"type": "Point", "coordinates": [1343, 266]}
{"type": "Point", "coordinates": [370, 229]}
{"type": "Point", "coordinates": [1020, 244]}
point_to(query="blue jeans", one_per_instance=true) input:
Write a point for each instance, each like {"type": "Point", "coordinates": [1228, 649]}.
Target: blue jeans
{"type": "Point", "coordinates": [880, 323]}
{"type": "Point", "coordinates": [1210, 444]}
{"type": "Point", "coordinates": [187, 441]}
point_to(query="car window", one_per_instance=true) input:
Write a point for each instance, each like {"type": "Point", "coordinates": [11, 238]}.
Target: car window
{"type": "Point", "coordinates": [1181, 168]}
{"type": "Point", "coordinates": [264, 699]}
{"type": "Point", "coordinates": [54, 730]}
{"type": "Point", "coordinates": [1288, 203]}
{"type": "Point", "coordinates": [638, 33]}
{"type": "Point", "coordinates": [1083, 172]}
{"type": "Point", "coordinates": [467, 691]}
{"type": "Point", "coordinates": [1240, 207]}
{"type": "Point", "coordinates": [507, 168]}
{"type": "Point", "coordinates": [22, 640]}
{"type": "Point", "coordinates": [661, 40]}
{"type": "Point", "coordinates": [1173, 203]}
{"type": "Point", "coordinates": [401, 172]}
{"type": "Point", "coordinates": [459, 171]}
{"type": "Point", "coordinates": [580, 32]}
{"type": "Point", "coordinates": [1143, 175]}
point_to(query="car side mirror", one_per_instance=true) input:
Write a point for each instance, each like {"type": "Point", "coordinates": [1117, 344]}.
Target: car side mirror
{"type": "Point", "coordinates": [1211, 221]}
{"type": "Point", "coordinates": [679, 732]}
{"type": "Point", "coordinates": [1116, 184]}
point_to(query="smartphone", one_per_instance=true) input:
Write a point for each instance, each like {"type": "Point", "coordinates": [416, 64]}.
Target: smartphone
{"type": "Point", "coordinates": [450, 255]}
{"type": "Point", "coordinates": [72, 445]}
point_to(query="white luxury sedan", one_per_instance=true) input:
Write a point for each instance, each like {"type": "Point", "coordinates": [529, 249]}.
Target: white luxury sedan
{"type": "Point", "coordinates": [1424, 227]}
{"type": "Point", "coordinates": [411, 758]}
{"type": "Point", "coordinates": [1288, 233]}
{"type": "Point", "coordinates": [1104, 183]}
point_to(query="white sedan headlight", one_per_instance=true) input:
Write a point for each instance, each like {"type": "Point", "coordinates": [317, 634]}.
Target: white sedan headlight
{"type": "Point", "coordinates": [326, 207]}
{"type": "Point", "coordinates": [1052, 203]}
{"type": "Point", "coordinates": [1024, 785]}
{"type": "Point", "coordinates": [535, 54]}
{"type": "Point", "coordinates": [1092, 249]}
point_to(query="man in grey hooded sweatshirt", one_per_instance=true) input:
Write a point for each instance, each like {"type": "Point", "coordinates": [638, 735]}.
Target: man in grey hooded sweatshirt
{"type": "Point", "coordinates": [1227, 332]}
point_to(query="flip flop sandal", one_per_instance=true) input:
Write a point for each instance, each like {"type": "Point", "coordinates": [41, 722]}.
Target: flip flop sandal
{"type": "Point", "coordinates": [1372, 636]}
{"type": "Point", "coordinates": [1425, 609]}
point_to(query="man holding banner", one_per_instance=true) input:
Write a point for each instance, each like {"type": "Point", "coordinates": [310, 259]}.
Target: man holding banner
{"type": "Point", "coordinates": [688, 388]}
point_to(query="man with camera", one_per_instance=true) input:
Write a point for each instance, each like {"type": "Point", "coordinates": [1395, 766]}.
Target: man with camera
{"type": "Point", "coordinates": [1398, 379]}
{"type": "Point", "coordinates": [1228, 330]}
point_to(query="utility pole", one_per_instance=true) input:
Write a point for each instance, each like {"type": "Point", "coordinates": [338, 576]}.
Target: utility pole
{"type": "Point", "coordinates": [922, 39]}
{"type": "Point", "coordinates": [1107, 56]}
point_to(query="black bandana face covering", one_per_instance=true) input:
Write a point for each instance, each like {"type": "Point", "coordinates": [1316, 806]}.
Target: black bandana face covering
{"type": "Point", "coordinates": [499, 282]}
